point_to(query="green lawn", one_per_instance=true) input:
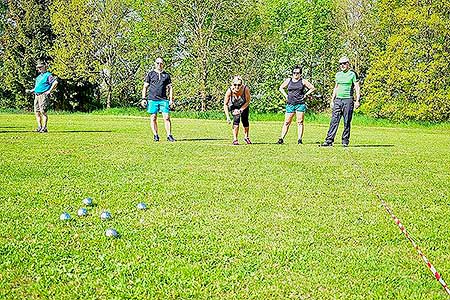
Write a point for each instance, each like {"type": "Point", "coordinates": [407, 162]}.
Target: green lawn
{"type": "Point", "coordinates": [263, 221]}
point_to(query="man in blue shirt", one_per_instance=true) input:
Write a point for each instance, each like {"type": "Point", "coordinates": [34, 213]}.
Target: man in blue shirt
{"type": "Point", "coordinates": [44, 85]}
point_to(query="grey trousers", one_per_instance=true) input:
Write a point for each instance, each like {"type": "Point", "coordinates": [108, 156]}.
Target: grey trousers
{"type": "Point", "coordinates": [342, 107]}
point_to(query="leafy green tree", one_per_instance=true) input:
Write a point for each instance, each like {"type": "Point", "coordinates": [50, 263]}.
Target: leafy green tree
{"type": "Point", "coordinates": [3, 21]}
{"type": "Point", "coordinates": [27, 36]}
{"type": "Point", "coordinates": [357, 27]}
{"type": "Point", "coordinates": [93, 45]}
{"type": "Point", "coordinates": [408, 80]}
{"type": "Point", "coordinates": [153, 34]}
{"type": "Point", "coordinates": [301, 33]}
{"type": "Point", "coordinates": [211, 41]}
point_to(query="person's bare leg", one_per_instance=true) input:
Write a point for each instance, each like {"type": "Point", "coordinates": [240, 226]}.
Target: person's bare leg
{"type": "Point", "coordinates": [44, 118]}
{"type": "Point", "coordinates": [235, 132]}
{"type": "Point", "coordinates": [167, 124]}
{"type": "Point", "coordinates": [246, 130]}
{"type": "Point", "coordinates": [38, 119]}
{"type": "Point", "coordinates": [300, 124]}
{"type": "Point", "coordinates": [287, 123]}
{"type": "Point", "coordinates": [154, 124]}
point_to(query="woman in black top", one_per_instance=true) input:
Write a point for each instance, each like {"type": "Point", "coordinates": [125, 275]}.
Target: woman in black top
{"type": "Point", "coordinates": [295, 102]}
{"type": "Point", "coordinates": [236, 101]}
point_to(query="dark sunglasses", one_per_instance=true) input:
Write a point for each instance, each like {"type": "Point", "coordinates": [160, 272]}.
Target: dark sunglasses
{"type": "Point", "coordinates": [237, 84]}
{"type": "Point", "coordinates": [295, 73]}
{"type": "Point", "coordinates": [343, 63]}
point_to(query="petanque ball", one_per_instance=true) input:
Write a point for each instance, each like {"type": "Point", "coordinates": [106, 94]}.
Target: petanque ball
{"type": "Point", "coordinates": [111, 232]}
{"type": "Point", "coordinates": [64, 216]}
{"type": "Point", "coordinates": [87, 201]}
{"type": "Point", "coordinates": [141, 206]}
{"type": "Point", "coordinates": [82, 212]}
{"type": "Point", "coordinates": [105, 215]}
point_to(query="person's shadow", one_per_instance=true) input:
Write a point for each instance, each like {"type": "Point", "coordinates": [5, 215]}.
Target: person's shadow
{"type": "Point", "coordinates": [199, 139]}
{"type": "Point", "coordinates": [81, 131]}
{"type": "Point", "coordinates": [359, 145]}
{"type": "Point", "coordinates": [53, 131]}
{"type": "Point", "coordinates": [370, 145]}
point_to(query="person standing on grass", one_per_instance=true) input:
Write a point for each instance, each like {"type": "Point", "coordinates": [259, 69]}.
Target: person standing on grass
{"type": "Point", "coordinates": [295, 102]}
{"type": "Point", "coordinates": [342, 102]}
{"type": "Point", "coordinates": [236, 101]}
{"type": "Point", "coordinates": [159, 99]}
{"type": "Point", "coordinates": [45, 83]}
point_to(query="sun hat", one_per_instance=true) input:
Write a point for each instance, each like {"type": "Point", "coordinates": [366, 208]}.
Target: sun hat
{"type": "Point", "coordinates": [343, 60]}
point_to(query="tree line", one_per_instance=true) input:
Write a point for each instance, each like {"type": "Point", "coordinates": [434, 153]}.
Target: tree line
{"type": "Point", "coordinates": [101, 50]}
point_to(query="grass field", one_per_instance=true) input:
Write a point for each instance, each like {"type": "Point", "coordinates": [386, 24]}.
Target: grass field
{"type": "Point", "coordinates": [260, 221]}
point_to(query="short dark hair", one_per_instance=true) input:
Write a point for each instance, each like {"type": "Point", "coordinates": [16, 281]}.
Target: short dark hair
{"type": "Point", "coordinates": [297, 67]}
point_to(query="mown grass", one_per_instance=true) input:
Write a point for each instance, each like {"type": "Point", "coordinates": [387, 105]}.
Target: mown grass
{"type": "Point", "coordinates": [263, 221]}
{"type": "Point", "coordinates": [317, 118]}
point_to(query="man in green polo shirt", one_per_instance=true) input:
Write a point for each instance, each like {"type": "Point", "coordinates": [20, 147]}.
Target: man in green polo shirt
{"type": "Point", "coordinates": [343, 102]}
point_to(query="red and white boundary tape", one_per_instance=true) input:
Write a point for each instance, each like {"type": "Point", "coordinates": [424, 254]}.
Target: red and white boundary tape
{"type": "Point", "coordinates": [405, 232]}
{"type": "Point", "coordinates": [427, 262]}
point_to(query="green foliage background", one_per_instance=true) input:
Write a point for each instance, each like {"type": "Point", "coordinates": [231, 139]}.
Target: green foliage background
{"type": "Point", "coordinates": [101, 50]}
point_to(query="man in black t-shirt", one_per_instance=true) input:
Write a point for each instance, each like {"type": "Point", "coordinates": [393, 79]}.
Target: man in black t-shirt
{"type": "Point", "coordinates": [160, 97]}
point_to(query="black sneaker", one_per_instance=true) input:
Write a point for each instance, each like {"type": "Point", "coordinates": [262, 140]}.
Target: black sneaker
{"type": "Point", "coordinates": [38, 129]}
{"type": "Point", "coordinates": [300, 141]}
{"type": "Point", "coordinates": [280, 141]}
{"type": "Point", "coordinates": [326, 144]}
{"type": "Point", "coordinates": [43, 130]}
{"type": "Point", "coordinates": [345, 145]}
{"type": "Point", "coordinates": [170, 138]}
{"type": "Point", "coordinates": [156, 138]}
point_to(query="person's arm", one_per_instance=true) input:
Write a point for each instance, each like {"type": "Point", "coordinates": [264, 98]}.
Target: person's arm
{"type": "Point", "coordinates": [310, 87]}
{"type": "Point", "coordinates": [170, 90]}
{"type": "Point", "coordinates": [29, 91]}
{"type": "Point", "coordinates": [54, 84]}
{"type": "Point", "coordinates": [226, 100]}
{"type": "Point", "coordinates": [358, 94]}
{"type": "Point", "coordinates": [247, 99]}
{"type": "Point", "coordinates": [334, 95]}
{"type": "Point", "coordinates": [283, 86]}
{"type": "Point", "coordinates": [144, 94]}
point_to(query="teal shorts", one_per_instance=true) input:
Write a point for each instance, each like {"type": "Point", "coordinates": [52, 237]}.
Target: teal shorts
{"type": "Point", "coordinates": [155, 106]}
{"type": "Point", "coordinates": [292, 108]}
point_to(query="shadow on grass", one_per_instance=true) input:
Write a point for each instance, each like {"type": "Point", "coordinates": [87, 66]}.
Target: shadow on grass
{"type": "Point", "coordinates": [56, 131]}
{"type": "Point", "coordinates": [370, 146]}
{"type": "Point", "coordinates": [15, 131]}
{"type": "Point", "coordinates": [360, 146]}
{"type": "Point", "coordinates": [79, 131]}
{"type": "Point", "coordinates": [263, 143]}
{"type": "Point", "coordinates": [200, 139]}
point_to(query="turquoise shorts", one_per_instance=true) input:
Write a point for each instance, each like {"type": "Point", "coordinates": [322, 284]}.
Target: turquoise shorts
{"type": "Point", "coordinates": [155, 106]}
{"type": "Point", "coordinates": [292, 108]}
